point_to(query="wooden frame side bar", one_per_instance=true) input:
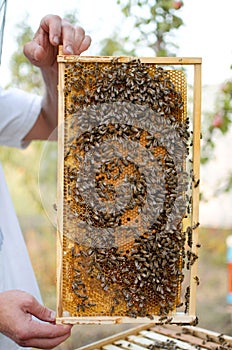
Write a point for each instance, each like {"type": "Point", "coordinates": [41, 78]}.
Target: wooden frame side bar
{"type": "Point", "coordinates": [60, 181]}
{"type": "Point", "coordinates": [195, 183]}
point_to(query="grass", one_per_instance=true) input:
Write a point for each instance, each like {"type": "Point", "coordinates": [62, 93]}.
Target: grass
{"type": "Point", "coordinates": [212, 310]}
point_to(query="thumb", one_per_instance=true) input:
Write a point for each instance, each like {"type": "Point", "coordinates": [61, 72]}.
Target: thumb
{"type": "Point", "coordinates": [34, 52]}
{"type": "Point", "coordinates": [41, 312]}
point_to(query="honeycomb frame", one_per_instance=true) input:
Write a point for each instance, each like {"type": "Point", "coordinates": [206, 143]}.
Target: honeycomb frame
{"type": "Point", "coordinates": [96, 279]}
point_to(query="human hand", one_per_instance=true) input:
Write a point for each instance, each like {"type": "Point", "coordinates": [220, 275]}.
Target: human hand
{"type": "Point", "coordinates": [16, 322]}
{"type": "Point", "coordinates": [54, 31]}
{"type": "Point", "coordinates": [42, 52]}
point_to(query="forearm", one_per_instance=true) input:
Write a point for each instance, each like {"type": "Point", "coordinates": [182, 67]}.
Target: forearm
{"type": "Point", "coordinates": [45, 126]}
{"type": "Point", "coordinates": [49, 110]}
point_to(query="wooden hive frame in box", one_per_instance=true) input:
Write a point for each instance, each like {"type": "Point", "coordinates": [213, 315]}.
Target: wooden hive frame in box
{"type": "Point", "coordinates": [128, 191]}
{"type": "Point", "coordinates": [169, 337]}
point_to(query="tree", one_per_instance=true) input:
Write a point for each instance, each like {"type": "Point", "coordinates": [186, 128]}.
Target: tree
{"type": "Point", "coordinates": [218, 124]}
{"type": "Point", "coordinates": [20, 67]}
{"type": "Point", "coordinates": [153, 26]}
{"type": "Point", "coordinates": [152, 22]}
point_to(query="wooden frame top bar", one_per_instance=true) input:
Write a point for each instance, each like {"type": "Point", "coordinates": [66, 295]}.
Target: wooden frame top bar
{"type": "Point", "coordinates": [155, 60]}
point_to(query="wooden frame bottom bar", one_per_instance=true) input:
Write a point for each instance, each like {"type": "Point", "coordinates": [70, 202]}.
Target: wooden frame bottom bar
{"type": "Point", "coordinates": [175, 319]}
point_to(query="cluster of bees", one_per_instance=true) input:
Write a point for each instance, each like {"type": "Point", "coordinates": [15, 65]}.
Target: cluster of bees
{"type": "Point", "coordinates": [172, 344]}
{"type": "Point", "coordinates": [125, 188]}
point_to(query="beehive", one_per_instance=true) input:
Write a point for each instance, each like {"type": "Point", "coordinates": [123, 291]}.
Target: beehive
{"type": "Point", "coordinates": [125, 188]}
{"type": "Point", "coordinates": [161, 337]}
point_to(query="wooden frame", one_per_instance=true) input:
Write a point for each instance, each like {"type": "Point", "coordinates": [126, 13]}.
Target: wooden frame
{"type": "Point", "coordinates": [188, 317]}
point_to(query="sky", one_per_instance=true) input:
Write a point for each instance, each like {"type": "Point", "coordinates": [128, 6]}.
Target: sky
{"type": "Point", "coordinates": [206, 32]}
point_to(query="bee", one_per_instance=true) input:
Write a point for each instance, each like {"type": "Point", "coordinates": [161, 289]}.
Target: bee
{"type": "Point", "coordinates": [163, 318]}
{"type": "Point", "coordinates": [180, 304]}
{"type": "Point", "coordinates": [112, 309]}
{"type": "Point", "coordinates": [189, 234]}
{"type": "Point", "coordinates": [196, 278]}
{"type": "Point", "coordinates": [196, 184]}
{"type": "Point", "coordinates": [195, 225]}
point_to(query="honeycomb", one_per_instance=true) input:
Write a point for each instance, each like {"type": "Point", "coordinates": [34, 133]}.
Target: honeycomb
{"type": "Point", "coordinates": [125, 188]}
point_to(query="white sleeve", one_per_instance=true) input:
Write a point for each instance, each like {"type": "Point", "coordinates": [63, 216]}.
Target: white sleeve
{"type": "Point", "coordinates": [16, 270]}
{"type": "Point", "coordinates": [19, 111]}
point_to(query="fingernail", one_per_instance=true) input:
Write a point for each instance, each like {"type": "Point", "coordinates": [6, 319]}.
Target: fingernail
{"type": "Point", "coordinates": [53, 315]}
{"type": "Point", "coordinates": [56, 39]}
{"type": "Point", "coordinates": [69, 49]}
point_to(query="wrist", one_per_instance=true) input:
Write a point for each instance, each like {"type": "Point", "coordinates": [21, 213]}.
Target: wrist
{"type": "Point", "coordinates": [49, 109]}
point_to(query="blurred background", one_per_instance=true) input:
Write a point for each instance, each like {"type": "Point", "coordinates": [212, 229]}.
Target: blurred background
{"type": "Point", "coordinates": [140, 28]}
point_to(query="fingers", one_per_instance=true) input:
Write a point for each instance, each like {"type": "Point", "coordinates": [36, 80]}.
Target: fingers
{"type": "Point", "coordinates": [61, 31]}
{"type": "Point", "coordinates": [54, 31]}
{"type": "Point", "coordinates": [85, 44]}
{"type": "Point", "coordinates": [33, 51]}
{"type": "Point", "coordinates": [75, 41]}
{"type": "Point", "coordinates": [33, 307]}
{"type": "Point", "coordinates": [51, 24]}
{"type": "Point", "coordinates": [16, 322]}
{"type": "Point", "coordinates": [35, 329]}
{"type": "Point", "coordinates": [43, 336]}
{"type": "Point", "coordinates": [45, 343]}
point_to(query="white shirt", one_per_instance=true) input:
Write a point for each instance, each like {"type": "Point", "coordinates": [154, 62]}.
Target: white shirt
{"type": "Point", "coordinates": [18, 113]}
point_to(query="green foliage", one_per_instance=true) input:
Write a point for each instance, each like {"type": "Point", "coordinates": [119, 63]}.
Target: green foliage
{"type": "Point", "coordinates": [220, 120]}
{"type": "Point", "coordinates": [72, 17]}
{"type": "Point", "coordinates": [112, 46]}
{"type": "Point", "coordinates": [24, 75]}
{"type": "Point", "coordinates": [155, 21]}
{"type": "Point", "coordinates": [21, 171]}
{"type": "Point", "coordinates": [218, 124]}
